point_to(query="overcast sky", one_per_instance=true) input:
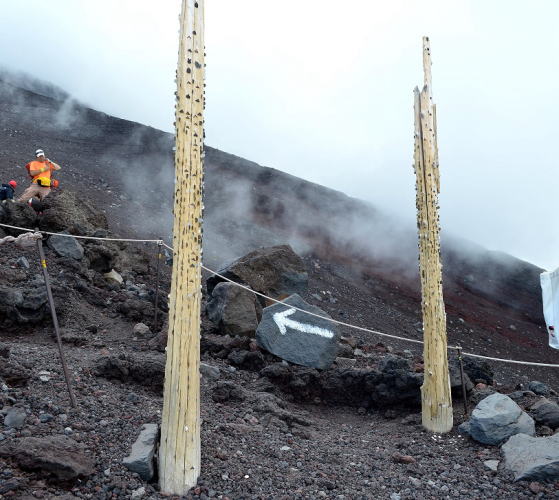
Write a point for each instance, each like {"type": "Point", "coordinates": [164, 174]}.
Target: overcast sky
{"type": "Point", "coordinates": [322, 89]}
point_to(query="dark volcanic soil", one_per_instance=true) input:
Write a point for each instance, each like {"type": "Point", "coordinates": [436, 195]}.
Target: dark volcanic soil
{"type": "Point", "coordinates": [265, 445]}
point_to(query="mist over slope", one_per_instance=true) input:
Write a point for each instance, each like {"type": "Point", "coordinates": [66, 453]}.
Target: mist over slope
{"type": "Point", "coordinates": [127, 168]}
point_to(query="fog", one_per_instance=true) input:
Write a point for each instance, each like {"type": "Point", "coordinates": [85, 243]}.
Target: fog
{"type": "Point", "coordinates": [323, 90]}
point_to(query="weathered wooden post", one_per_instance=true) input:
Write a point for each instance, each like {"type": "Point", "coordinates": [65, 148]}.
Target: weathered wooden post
{"type": "Point", "coordinates": [179, 454]}
{"type": "Point", "coordinates": [436, 401]}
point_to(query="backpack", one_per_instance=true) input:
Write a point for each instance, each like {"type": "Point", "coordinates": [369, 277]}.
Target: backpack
{"type": "Point", "coordinates": [6, 193]}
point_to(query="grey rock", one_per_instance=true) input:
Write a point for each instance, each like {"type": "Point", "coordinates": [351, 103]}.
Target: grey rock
{"type": "Point", "coordinates": [233, 310]}
{"type": "Point", "coordinates": [24, 305]}
{"type": "Point", "coordinates": [546, 412]}
{"type": "Point", "coordinates": [45, 417]}
{"type": "Point", "coordinates": [140, 459]}
{"type": "Point", "coordinates": [478, 370]}
{"type": "Point", "coordinates": [531, 458]}
{"type": "Point", "coordinates": [539, 388]}
{"type": "Point", "coordinates": [15, 418]}
{"type": "Point", "coordinates": [141, 329]}
{"type": "Point", "coordinates": [495, 419]}
{"type": "Point", "coordinates": [282, 333]}
{"type": "Point", "coordinates": [492, 464]}
{"type": "Point", "coordinates": [209, 372]}
{"type": "Point", "coordinates": [456, 379]}
{"type": "Point", "coordinates": [66, 247]}
{"type": "Point", "coordinates": [22, 262]}
{"type": "Point", "coordinates": [10, 297]}
{"type": "Point", "coordinates": [58, 456]}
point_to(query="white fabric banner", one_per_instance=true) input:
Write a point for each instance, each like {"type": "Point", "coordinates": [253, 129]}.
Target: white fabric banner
{"type": "Point", "coordinates": [550, 297]}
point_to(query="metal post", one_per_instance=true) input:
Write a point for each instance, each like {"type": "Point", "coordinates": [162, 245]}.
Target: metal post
{"type": "Point", "coordinates": [157, 267]}
{"type": "Point", "coordinates": [464, 392]}
{"type": "Point", "coordinates": [55, 320]}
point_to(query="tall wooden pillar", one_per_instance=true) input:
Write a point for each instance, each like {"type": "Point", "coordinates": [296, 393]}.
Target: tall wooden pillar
{"type": "Point", "coordinates": [179, 454]}
{"type": "Point", "coordinates": [436, 401]}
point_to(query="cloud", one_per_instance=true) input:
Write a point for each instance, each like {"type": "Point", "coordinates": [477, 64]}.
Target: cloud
{"type": "Point", "coordinates": [323, 90]}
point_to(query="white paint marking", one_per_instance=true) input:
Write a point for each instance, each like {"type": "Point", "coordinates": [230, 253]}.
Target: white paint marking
{"type": "Point", "coordinates": [283, 322]}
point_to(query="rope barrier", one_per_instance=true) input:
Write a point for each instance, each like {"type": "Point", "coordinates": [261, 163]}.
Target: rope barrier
{"type": "Point", "coordinates": [81, 237]}
{"type": "Point", "coordinates": [335, 321]}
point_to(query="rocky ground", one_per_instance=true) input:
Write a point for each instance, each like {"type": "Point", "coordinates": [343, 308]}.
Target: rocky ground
{"type": "Point", "coordinates": [269, 430]}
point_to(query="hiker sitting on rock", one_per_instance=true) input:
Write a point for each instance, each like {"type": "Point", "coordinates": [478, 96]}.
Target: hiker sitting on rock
{"type": "Point", "coordinates": [40, 172]}
{"type": "Point", "coordinates": [7, 191]}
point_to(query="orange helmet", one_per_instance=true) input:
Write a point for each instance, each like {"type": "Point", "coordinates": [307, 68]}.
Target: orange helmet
{"type": "Point", "coordinates": [13, 184]}
{"type": "Point", "coordinates": [54, 183]}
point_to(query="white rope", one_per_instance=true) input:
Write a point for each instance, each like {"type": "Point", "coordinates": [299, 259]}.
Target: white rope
{"type": "Point", "coordinates": [331, 320]}
{"type": "Point", "coordinates": [83, 237]}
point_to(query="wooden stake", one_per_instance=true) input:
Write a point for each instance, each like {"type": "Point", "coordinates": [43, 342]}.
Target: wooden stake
{"type": "Point", "coordinates": [179, 455]}
{"type": "Point", "coordinates": [436, 398]}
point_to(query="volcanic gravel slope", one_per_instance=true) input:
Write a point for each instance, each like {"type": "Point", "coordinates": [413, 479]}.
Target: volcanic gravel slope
{"type": "Point", "coordinates": [254, 447]}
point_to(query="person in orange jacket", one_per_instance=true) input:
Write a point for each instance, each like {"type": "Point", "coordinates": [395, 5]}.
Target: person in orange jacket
{"type": "Point", "coordinates": [40, 172]}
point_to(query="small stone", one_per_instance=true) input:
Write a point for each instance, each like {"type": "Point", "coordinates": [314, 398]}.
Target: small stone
{"type": "Point", "coordinates": [209, 372]}
{"type": "Point", "coordinates": [113, 277]}
{"type": "Point", "coordinates": [45, 417]}
{"type": "Point", "coordinates": [492, 464]}
{"type": "Point", "coordinates": [139, 493]}
{"type": "Point", "coordinates": [22, 262]}
{"type": "Point", "coordinates": [535, 487]}
{"type": "Point", "coordinates": [403, 459]}
{"type": "Point", "coordinates": [68, 431]}
{"type": "Point", "coordinates": [141, 329]}
{"type": "Point", "coordinates": [395, 496]}
{"type": "Point", "coordinates": [15, 418]}
{"type": "Point", "coordinates": [107, 472]}
{"type": "Point", "coordinates": [285, 448]}
{"type": "Point", "coordinates": [415, 482]}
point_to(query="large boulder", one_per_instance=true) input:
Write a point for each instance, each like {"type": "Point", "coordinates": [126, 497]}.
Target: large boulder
{"type": "Point", "coordinates": [539, 388]}
{"type": "Point", "coordinates": [149, 372]}
{"type": "Point", "coordinates": [23, 305]}
{"type": "Point", "coordinates": [233, 310]}
{"type": "Point", "coordinates": [298, 337]}
{"type": "Point", "coordinates": [67, 210]}
{"type": "Point", "coordinates": [275, 271]}
{"type": "Point", "coordinates": [65, 246]}
{"type": "Point", "coordinates": [545, 412]}
{"type": "Point", "coordinates": [20, 215]}
{"type": "Point", "coordinates": [456, 379]}
{"type": "Point", "coordinates": [478, 371]}
{"type": "Point", "coordinates": [531, 458]}
{"type": "Point", "coordinates": [497, 418]}
{"type": "Point", "coordinates": [57, 456]}
{"type": "Point", "coordinates": [396, 382]}
{"type": "Point", "coordinates": [13, 372]}
{"type": "Point", "coordinates": [392, 384]}
{"type": "Point", "coordinates": [101, 258]}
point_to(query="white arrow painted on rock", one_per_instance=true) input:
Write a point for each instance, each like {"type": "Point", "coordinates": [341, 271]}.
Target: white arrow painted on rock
{"type": "Point", "coordinates": [283, 322]}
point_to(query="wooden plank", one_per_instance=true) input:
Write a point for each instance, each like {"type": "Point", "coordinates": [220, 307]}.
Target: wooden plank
{"type": "Point", "coordinates": [435, 392]}
{"type": "Point", "coordinates": [179, 454]}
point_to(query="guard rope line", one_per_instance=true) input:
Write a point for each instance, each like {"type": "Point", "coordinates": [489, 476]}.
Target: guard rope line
{"type": "Point", "coordinates": [331, 320]}
{"type": "Point", "coordinates": [81, 237]}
